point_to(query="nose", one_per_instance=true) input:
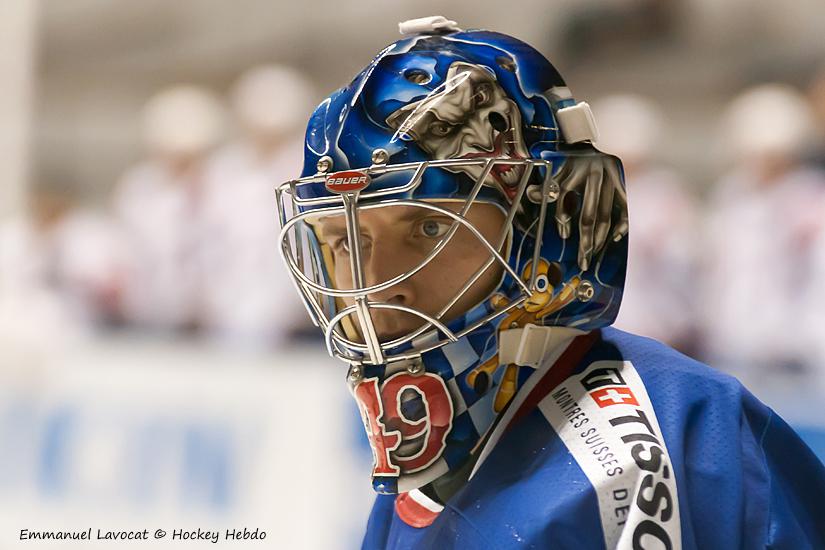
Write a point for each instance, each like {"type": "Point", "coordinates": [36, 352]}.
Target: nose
{"type": "Point", "coordinates": [381, 264]}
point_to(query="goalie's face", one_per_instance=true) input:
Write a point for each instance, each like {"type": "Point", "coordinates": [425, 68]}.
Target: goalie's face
{"type": "Point", "coordinates": [397, 239]}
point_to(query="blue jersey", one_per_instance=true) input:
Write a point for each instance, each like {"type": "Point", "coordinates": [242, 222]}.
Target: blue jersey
{"type": "Point", "coordinates": [634, 446]}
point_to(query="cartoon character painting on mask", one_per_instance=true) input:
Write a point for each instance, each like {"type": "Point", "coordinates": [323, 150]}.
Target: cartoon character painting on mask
{"type": "Point", "coordinates": [440, 124]}
{"type": "Point", "coordinates": [547, 299]}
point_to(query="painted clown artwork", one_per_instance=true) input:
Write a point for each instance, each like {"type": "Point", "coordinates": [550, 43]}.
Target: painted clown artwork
{"type": "Point", "coordinates": [468, 116]}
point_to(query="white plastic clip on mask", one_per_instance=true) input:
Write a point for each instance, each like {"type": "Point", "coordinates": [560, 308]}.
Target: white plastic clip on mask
{"type": "Point", "coordinates": [577, 123]}
{"type": "Point", "coordinates": [433, 24]}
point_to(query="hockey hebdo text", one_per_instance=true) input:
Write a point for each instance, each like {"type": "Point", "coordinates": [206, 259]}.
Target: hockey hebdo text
{"type": "Point", "coordinates": [190, 535]}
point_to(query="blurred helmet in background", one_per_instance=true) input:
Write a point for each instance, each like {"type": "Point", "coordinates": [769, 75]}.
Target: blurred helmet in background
{"type": "Point", "coordinates": [630, 126]}
{"type": "Point", "coordinates": [182, 121]}
{"type": "Point", "coordinates": [770, 121]}
{"type": "Point", "coordinates": [272, 100]}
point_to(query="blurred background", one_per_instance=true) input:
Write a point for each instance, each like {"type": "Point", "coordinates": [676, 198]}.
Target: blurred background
{"type": "Point", "coordinates": [154, 363]}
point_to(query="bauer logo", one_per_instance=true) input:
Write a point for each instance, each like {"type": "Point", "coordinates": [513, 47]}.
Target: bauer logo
{"type": "Point", "coordinates": [347, 182]}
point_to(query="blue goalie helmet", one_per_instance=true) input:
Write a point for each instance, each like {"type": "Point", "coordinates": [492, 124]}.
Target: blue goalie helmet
{"type": "Point", "coordinates": [450, 202]}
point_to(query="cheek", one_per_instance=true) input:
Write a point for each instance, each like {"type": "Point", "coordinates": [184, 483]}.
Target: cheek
{"type": "Point", "coordinates": [442, 279]}
{"type": "Point", "coordinates": [490, 224]}
{"type": "Point", "coordinates": [440, 289]}
{"type": "Point", "coordinates": [444, 275]}
{"type": "Point", "coordinates": [464, 247]}
{"type": "Point", "coordinates": [461, 259]}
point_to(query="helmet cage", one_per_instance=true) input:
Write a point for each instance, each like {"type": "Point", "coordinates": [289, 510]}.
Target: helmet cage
{"type": "Point", "coordinates": [308, 267]}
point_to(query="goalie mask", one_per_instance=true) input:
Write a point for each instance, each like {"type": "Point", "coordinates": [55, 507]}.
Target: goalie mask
{"type": "Point", "coordinates": [450, 200]}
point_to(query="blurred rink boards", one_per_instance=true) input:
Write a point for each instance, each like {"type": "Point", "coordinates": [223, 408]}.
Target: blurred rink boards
{"type": "Point", "coordinates": [132, 435]}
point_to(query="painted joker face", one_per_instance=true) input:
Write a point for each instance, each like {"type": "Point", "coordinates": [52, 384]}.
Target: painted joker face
{"type": "Point", "coordinates": [468, 116]}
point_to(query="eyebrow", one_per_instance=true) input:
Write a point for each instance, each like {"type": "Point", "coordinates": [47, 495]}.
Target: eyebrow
{"type": "Point", "coordinates": [410, 213]}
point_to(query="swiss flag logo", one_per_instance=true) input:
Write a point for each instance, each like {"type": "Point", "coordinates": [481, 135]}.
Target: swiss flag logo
{"type": "Point", "coordinates": [347, 182]}
{"type": "Point", "coordinates": [606, 397]}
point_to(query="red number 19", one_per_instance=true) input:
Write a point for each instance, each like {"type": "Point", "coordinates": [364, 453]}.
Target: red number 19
{"type": "Point", "coordinates": [387, 427]}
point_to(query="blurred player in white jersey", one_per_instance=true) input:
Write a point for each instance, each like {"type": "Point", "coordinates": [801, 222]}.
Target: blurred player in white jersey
{"type": "Point", "coordinates": [159, 202]}
{"type": "Point", "coordinates": [248, 297]}
{"type": "Point", "coordinates": [764, 215]}
{"type": "Point", "coordinates": [659, 296]}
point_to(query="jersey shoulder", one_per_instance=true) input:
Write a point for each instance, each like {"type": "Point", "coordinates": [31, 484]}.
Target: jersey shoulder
{"type": "Point", "coordinates": [674, 379]}
{"type": "Point", "coordinates": [740, 469]}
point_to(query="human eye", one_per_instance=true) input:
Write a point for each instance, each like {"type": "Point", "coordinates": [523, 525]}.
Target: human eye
{"type": "Point", "coordinates": [340, 245]}
{"type": "Point", "coordinates": [433, 228]}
